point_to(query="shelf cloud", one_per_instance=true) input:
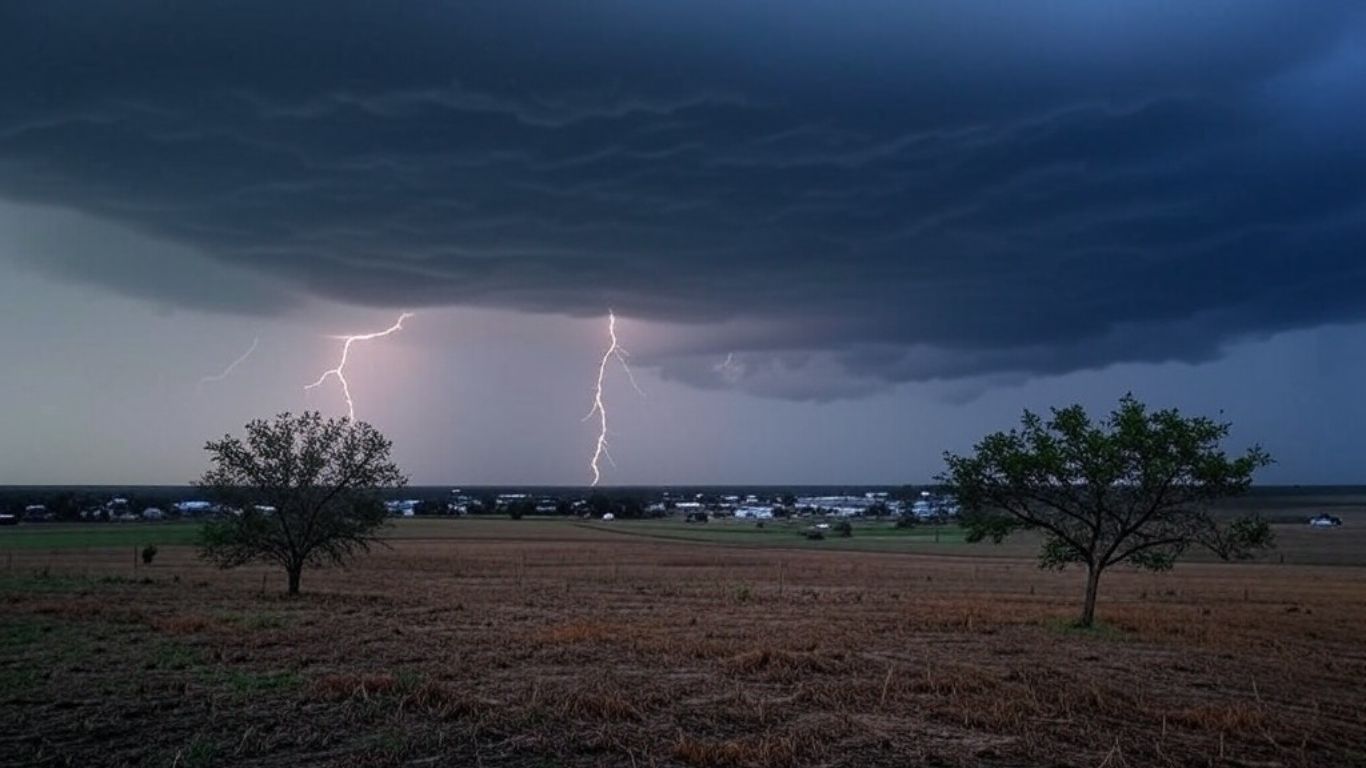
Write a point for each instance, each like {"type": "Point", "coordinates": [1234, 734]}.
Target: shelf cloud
{"type": "Point", "coordinates": [834, 199]}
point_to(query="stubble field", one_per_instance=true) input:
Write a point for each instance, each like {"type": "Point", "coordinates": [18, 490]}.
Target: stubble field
{"type": "Point", "coordinates": [530, 643]}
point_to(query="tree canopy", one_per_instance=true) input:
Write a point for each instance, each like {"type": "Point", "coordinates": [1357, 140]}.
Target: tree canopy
{"type": "Point", "coordinates": [303, 491]}
{"type": "Point", "coordinates": [1137, 487]}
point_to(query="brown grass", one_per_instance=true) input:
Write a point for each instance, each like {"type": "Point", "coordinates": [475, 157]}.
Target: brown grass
{"type": "Point", "coordinates": [619, 651]}
{"type": "Point", "coordinates": [340, 687]}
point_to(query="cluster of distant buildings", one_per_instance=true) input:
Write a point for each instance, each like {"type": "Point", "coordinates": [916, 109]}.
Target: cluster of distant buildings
{"type": "Point", "coordinates": [927, 507]}
{"type": "Point", "coordinates": [694, 507]}
{"type": "Point", "coordinates": [461, 503]}
{"type": "Point", "coordinates": [117, 509]}
{"type": "Point", "coordinates": [697, 507]}
{"type": "Point", "coordinates": [924, 506]}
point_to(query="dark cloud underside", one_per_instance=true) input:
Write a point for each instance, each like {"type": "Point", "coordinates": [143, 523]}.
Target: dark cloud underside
{"type": "Point", "coordinates": [879, 191]}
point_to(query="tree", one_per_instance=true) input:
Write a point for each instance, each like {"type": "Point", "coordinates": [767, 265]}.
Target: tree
{"type": "Point", "coordinates": [428, 507]}
{"type": "Point", "coordinates": [1136, 488]}
{"type": "Point", "coordinates": [304, 492]}
{"type": "Point", "coordinates": [600, 504]}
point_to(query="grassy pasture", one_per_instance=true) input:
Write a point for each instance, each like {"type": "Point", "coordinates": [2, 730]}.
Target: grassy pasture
{"type": "Point", "coordinates": [60, 536]}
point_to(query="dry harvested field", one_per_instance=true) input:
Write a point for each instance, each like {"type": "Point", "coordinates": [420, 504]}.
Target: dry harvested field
{"type": "Point", "coordinates": [539, 644]}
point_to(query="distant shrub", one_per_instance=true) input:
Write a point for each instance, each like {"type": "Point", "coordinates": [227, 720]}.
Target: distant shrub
{"type": "Point", "coordinates": [844, 529]}
{"type": "Point", "coordinates": [149, 553]}
{"type": "Point", "coordinates": [814, 534]}
{"type": "Point", "coordinates": [905, 522]}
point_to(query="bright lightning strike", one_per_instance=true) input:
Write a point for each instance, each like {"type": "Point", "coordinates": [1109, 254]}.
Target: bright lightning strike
{"type": "Point", "coordinates": [228, 371]}
{"type": "Point", "coordinates": [614, 350]}
{"type": "Point", "coordinates": [340, 371]}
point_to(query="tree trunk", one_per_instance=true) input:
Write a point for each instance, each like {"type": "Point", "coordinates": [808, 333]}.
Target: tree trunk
{"type": "Point", "coordinates": [1088, 609]}
{"type": "Point", "coordinates": [295, 571]}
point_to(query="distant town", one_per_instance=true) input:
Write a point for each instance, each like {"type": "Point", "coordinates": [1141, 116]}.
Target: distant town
{"type": "Point", "coordinates": [152, 505]}
{"type": "Point", "coordinates": [907, 505]}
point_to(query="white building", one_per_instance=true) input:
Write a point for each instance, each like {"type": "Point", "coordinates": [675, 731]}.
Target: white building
{"type": "Point", "coordinates": [842, 506]}
{"type": "Point", "coordinates": [405, 508]}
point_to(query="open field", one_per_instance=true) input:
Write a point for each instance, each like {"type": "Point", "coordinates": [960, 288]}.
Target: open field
{"type": "Point", "coordinates": [529, 643]}
{"type": "Point", "coordinates": [1297, 544]}
{"type": "Point", "coordinates": [63, 536]}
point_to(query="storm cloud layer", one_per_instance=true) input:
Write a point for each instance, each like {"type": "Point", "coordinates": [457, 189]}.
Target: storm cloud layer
{"type": "Point", "coordinates": [828, 198]}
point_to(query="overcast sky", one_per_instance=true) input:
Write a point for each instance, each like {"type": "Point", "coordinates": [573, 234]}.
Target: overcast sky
{"type": "Point", "coordinates": [840, 237]}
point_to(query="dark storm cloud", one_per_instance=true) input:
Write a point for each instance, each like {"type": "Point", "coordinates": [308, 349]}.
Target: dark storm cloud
{"type": "Point", "coordinates": [873, 192]}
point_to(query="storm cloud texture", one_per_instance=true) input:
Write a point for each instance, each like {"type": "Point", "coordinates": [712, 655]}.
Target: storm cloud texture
{"type": "Point", "coordinates": [826, 198]}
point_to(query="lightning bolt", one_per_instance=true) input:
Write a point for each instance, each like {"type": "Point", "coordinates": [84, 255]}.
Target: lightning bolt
{"type": "Point", "coordinates": [614, 350]}
{"type": "Point", "coordinates": [730, 371]}
{"type": "Point", "coordinates": [228, 371]}
{"type": "Point", "coordinates": [340, 371]}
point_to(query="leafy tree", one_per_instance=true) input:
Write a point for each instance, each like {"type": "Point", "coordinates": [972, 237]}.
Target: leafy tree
{"type": "Point", "coordinates": [600, 504]}
{"type": "Point", "coordinates": [905, 493]}
{"type": "Point", "coordinates": [1135, 488]}
{"type": "Point", "coordinates": [427, 507]}
{"type": "Point", "coordinates": [305, 492]}
{"type": "Point", "coordinates": [630, 507]}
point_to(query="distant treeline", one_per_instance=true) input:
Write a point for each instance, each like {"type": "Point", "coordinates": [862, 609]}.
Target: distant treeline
{"type": "Point", "coordinates": [66, 502]}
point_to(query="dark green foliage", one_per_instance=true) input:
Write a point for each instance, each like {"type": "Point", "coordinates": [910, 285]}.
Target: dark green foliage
{"type": "Point", "coordinates": [622, 505]}
{"type": "Point", "coordinates": [149, 554]}
{"type": "Point", "coordinates": [305, 492]}
{"type": "Point", "coordinates": [428, 507]}
{"type": "Point", "coordinates": [844, 529]}
{"type": "Point", "coordinates": [1136, 488]}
